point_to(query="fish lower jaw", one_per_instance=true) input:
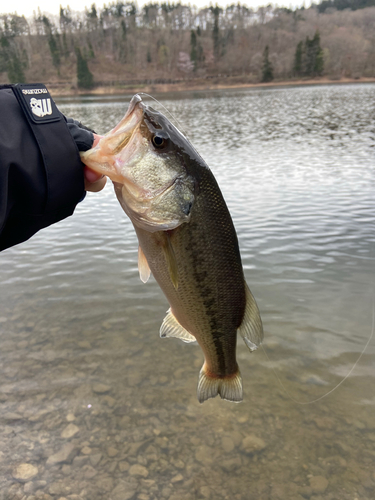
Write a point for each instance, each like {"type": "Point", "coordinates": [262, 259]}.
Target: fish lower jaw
{"type": "Point", "coordinates": [153, 226]}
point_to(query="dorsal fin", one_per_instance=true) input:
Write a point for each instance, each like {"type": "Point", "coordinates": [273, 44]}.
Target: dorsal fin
{"type": "Point", "coordinates": [170, 257]}
{"type": "Point", "coordinates": [172, 328]}
{"type": "Point", "coordinates": [251, 328]}
{"type": "Point", "coordinates": [143, 267]}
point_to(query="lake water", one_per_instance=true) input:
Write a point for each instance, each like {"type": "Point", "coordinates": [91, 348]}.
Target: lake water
{"type": "Point", "coordinates": [100, 407]}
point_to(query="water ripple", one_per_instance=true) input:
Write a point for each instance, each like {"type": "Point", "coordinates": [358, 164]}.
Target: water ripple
{"type": "Point", "coordinates": [296, 169]}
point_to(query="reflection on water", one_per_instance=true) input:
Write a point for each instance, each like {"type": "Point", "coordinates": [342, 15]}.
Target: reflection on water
{"type": "Point", "coordinates": [98, 406]}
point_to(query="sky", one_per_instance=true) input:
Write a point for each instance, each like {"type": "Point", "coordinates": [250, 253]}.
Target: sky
{"type": "Point", "coordinates": [26, 7]}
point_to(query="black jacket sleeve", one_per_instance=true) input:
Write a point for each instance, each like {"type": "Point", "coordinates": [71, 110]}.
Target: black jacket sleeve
{"type": "Point", "coordinates": [82, 135]}
{"type": "Point", "coordinates": [41, 181]}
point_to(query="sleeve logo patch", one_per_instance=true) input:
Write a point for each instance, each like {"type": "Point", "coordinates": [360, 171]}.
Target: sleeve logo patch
{"type": "Point", "coordinates": [36, 102]}
{"type": "Point", "coordinates": [34, 91]}
{"type": "Point", "coordinates": [41, 107]}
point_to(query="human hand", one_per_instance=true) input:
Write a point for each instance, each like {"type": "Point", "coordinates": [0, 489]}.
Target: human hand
{"type": "Point", "coordinates": [83, 137]}
{"type": "Point", "coordinates": [94, 182]}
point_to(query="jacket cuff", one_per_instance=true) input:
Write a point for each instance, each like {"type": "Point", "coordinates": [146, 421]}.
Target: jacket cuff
{"type": "Point", "coordinates": [83, 136]}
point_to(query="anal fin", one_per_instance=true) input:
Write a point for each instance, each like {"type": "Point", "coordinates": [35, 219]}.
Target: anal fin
{"type": "Point", "coordinates": [143, 267]}
{"type": "Point", "coordinates": [172, 328]}
{"type": "Point", "coordinates": [251, 328]}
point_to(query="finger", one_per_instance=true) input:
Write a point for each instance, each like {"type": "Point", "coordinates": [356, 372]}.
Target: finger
{"type": "Point", "coordinates": [90, 175]}
{"type": "Point", "coordinates": [94, 187]}
{"type": "Point", "coordinates": [96, 140]}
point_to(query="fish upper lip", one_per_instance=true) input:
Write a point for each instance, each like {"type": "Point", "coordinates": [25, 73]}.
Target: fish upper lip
{"type": "Point", "coordinates": [136, 99]}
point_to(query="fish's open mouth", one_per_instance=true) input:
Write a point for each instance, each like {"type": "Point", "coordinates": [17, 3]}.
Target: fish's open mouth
{"type": "Point", "coordinates": [115, 142]}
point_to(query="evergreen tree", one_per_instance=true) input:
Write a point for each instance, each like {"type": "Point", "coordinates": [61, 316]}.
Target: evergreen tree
{"type": "Point", "coordinates": [319, 61]}
{"type": "Point", "coordinates": [4, 53]}
{"type": "Point", "coordinates": [193, 48]}
{"type": "Point", "coordinates": [200, 53]}
{"type": "Point", "coordinates": [123, 30]}
{"type": "Point", "coordinates": [297, 68]}
{"type": "Point", "coordinates": [196, 49]}
{"type": "Point", "coordinates": [85, 78]}
{"type": "Point", "coordinates": [123, 52]}
{"type": "Point", "coordinates": [92, 17]}
{"type": "Point", "coordinates": [93, 13]}
{"type": "Point", "coordinates": [10, 61]}
{"type": "Point", "coordinates": [308, 58]}
{"type": "Point", "coordinates": [267, 70]}
{"type": "Point", "coordinates": [52, 40]}
{"type": "Point", "coordinates": [91, 54]}
{"type": "Point", "coordinates": [65, 18]}
{"type": "Point", "coordinates": [344, 4]}
{"type": "Point", "coordinates": [15, 70]}
{"type": "Point", "coordinates": [215, 30]}
{"type": "Point", "coordinates": [55, 51]}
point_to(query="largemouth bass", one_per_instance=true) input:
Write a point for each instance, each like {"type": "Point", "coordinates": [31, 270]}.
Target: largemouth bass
{"type": "Point", "coordinates": [186, 240]}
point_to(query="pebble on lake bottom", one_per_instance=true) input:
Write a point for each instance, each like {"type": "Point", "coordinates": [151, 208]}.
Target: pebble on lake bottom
{"type": "Point", "coordinates": [318, 484]}
{"type": "Point", "coordinates": [25, 472]}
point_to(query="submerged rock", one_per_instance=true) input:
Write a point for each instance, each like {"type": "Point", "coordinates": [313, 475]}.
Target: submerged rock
{"type": "Point", "coordinates": [69, 431]}
{"type": "Point", "coordinates": [24, 472]}
{"type": "Point", "coordinates": [138, 470]}
{"type": "Point", "coordinates": [101, 388]}
{"type": "Point", "coordinates": [112, 452]}
{"type": "Point", "coordinates": [178, 478]}
{"type": "Point", "coordinates": [253, 444]}
{"type": "Point", "coordinates": [123, 491]}
{"type": "Point", "coordinates": [227, 444]}
{"type": "Point", "coordinates": [95, 459]}
{"type": "Point", "coordinates": [318, 484]}
{"type": "Point", "coordinates": [66, 454]}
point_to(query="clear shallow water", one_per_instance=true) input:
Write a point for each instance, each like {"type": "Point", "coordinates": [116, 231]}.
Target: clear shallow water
{"type": "Point", "coordinates": [103, 408]}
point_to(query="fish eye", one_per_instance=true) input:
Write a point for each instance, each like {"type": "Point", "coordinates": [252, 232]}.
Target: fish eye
{"type": "Point", "coordinates": [158, 141]}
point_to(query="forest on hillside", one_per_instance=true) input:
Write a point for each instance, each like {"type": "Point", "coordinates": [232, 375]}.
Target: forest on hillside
{"type": "Point", "coordinates": [121, 45]}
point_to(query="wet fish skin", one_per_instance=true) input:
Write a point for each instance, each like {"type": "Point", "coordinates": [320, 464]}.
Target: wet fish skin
{"type": "Point", "coordinates": [188, 243]}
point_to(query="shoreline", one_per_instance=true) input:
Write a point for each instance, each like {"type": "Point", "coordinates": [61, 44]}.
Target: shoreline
{"type": "Point", "coordinates": [198, 85]}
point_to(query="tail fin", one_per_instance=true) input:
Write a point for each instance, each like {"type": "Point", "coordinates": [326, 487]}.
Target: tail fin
{"type": "Point", "coordinates": [229, 388]}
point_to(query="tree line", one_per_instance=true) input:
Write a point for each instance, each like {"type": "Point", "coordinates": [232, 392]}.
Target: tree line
{"type": "Point", "coordinates": [167, 42]}
{"type": "Point", "coordinates": [345, 4]}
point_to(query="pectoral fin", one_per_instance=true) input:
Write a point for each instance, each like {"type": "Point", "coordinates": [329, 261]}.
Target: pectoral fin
{"type": "Point", "coordinates": [143, 267]}
{"type": "Point", "coordinates": [172, 328]}
{"type": "Point", "coordinates": [251, 328]}
{"type": "Point", "coordinates": [170, 257]}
